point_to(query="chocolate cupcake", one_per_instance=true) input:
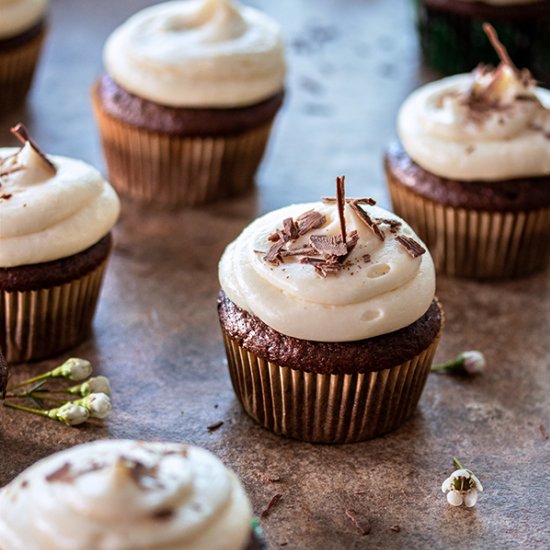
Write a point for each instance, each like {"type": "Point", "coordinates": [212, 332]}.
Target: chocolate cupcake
{"type": "Point", "coordinates": [56, 215]}
{"type": "Point", "coordinates": [472, 171]}
{"type": "Point", "coordinates": [122, 495]}
{"type": "Point", "coordinates": [452, 39]}
{"type": "Point", "coordinates": [329, 319]}
{"type": "Point", "coordinates": [186, 106]}
{"type": "Point", "coordinates": [22, 31]}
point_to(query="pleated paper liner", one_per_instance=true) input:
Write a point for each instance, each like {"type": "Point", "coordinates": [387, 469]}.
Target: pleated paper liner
{"type": "Point", "coordinates": [36, 324]}
{"type": "Point", "coordinates": [476, 243]}
{"type": "Point", "coordinates": [327, 408]}
{"type": "Point", "coordinates": [17, 67]}
{"type": "Point", "coordinates": [177, 170]}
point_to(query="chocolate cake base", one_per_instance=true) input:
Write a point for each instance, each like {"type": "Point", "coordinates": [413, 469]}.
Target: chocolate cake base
{"type": "Point", "coordinates": [47, 308]}
{"type": "Point", "coordinates": [328, 392]}
{"type": "Point", "coordinates": [453, 41]}
{"type": "Point", "coordinates": [474, 229]}
{"type": "Point", "coordinates": [18, 58]}
{"type": "Point", "coordinates": [177, 157]}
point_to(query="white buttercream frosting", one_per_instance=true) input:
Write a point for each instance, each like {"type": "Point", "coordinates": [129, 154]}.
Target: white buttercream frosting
{"type": "Point", "coordinates": [46, 216]}
{"type": "Point", "coordinates": [126, 495]}
{"type": "Point", "coordinates": [17, 16]}
{"type": "Point", "coordinates": [198, 53]}
{"type": "Point", "coordinates": [363, 300]}
{"type": "Point", "coordinates": [504, 136]}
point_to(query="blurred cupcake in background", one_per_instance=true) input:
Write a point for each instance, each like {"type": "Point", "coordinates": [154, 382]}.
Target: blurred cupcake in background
{"type": "Point", "coordinates": [188, 99]}
{"type": "Point", "coordinates": [452, 38]}
{"type": "Point", "coordinates": [128, 495]}
{"type": "Point", "coordinates": [471, 172]}
{"type": "Point", "coordinates": [22, 32]}
{"type": "Point", "coordinates": [56, 216]}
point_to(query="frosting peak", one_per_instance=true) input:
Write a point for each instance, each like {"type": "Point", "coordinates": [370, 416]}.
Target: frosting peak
{"type": "Point", "coordinates": [375, 286]}
{"type": "Point", "coordinates": [125, 495]}
{"type": "Point", "coordinates": [198, 53]}
{"type": "Point", "coordinates": [49, 214]}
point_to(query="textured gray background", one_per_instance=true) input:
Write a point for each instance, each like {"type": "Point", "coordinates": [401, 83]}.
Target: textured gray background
{"type": "Point", "coordinates": [351, 63]}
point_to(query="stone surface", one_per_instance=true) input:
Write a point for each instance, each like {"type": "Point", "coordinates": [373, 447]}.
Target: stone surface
{"type": "Point", "coordinates": [156, 334]}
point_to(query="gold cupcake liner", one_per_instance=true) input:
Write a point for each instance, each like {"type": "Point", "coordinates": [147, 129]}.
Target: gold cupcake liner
{"type": "Point", "coordinates": [35, 324]}
{"type": "Point", "coordinates": [475, 243]}
{"type": "Point", "coordinates": [17, 67]}
{"type": "Point", "coordinates": [327, 408]}
{"type": "Point", "coordinates": [179, 171]}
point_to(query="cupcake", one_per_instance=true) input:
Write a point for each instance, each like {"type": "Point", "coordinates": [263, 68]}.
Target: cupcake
{"type": "Point", "coordinates": [188, 99]}
{"type": "Point", "coordinates": [329, 319]}
{"type": "Point", "coordinates": [127, 495]}
{"type": "Point", "coordinates": [452, 39]}
{"type": "Point", "coordinates": [22, 31]}
{"type": "Point", "coordinates": [56, 215]}
{"type": "Point", "coordinates": [471, 172]}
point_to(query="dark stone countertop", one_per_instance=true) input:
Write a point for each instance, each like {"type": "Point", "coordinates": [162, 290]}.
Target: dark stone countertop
{"type": "Point", "coordinates": [156, 333]}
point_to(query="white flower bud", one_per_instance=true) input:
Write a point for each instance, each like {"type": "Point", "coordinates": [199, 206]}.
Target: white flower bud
{"type": "Point", "coordinates": [473, 362]}
{"type": "Point", "coordinates": [97, 384]}
{"type": "Point", "coordinates": [470, 498]}
{"type": "Point", "coordinates": [70, 414]}
{"type": "Point", "coordinates": [454, 498]}
{"type": "Point", "coordinates": [98, 405]}
{"type": "Point", "coordinates": [76, 369]}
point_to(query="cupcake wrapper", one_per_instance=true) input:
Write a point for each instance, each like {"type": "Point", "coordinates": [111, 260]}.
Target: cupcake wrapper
{"type": "Point", "coordinates": [35, 324]}
{"type": "Point", "coordinates": [17, 67]}
{"type": "Point", "coordinates": [179, 171]}
{"type": "Point", "coordinates": [327, 408]}
{"type": "Point", "coordinates": [473, 243]}
{"type": "Point", "coordinates": [454, 43]}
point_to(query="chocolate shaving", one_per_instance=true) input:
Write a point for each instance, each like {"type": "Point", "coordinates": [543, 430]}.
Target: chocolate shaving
{"type": "Point", "coordinates": [366, 258]}
{"type": "Point", "coordinates": [332, 246]}
{"type": "Point", "coordinates": [367, 220]}
{"type": "Point", "coordinates": [290, 229]}
{"type": "Point", "coordinates": [543, 431]}
{"type": "Point", "coordinates": [501, 51]}
{"type": "Point", "coordinates": [324, 266]}
{"type": "Point", "coordinates": [215, 426]}
{"type": "Point", "coordinates": [163, 515]}
{"type": "Point", "coordinates": [308, 221]}
{"type": "Point", "coordinates": [307, 250]}
{"type": "Point", "coordinates": [363, 200]}
{"type": "Point", "coordinates": [394, 224]}
{"type": "Point", "coordinates": [272, 503]}
{"type": "Point", "coordinates": [411, 246]}
{"type": "Point", "coordinates": [64, 474]}
{"type": "Point", "coordinates": [362, 525]}
{"type": "Point", "coordinates": [11, 171]}
{"type": "Point", "coordinates": [340, 203]}
{"type": "Point", "coordinates": [4, 375]}
{"type": "Point", "coordinates": [273, 254]}
{"type": "Point", "coordinates": [20, 132]}
{"type": "Point", "coordinates": [139, 472]}
{"type": "Point", "coordinates": [6, 196]}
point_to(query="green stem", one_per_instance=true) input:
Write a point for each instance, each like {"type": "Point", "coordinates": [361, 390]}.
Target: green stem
{"type": "Point", "coordinates": [453, 363]}
{"type": "Point", "coordinates": [11, 405]}
{"type": "Point", "coordinates": [457, 464]}
{"type": "Point", "coordinates": [31, 381]}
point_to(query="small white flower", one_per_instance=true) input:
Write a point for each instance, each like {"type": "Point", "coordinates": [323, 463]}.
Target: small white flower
{"type": "Point", "coordinates": [70, 414]}
{"type": "Point", "coordinates": [98, 405]}
{"type": "Point", "coordinates": [473, 362]}
{"type": "Point", "coordinates": [75, 369]}
{"type": "Point", "coordinates": [462, 487]}
{"type": "Point", "coordinates": [97, 384]}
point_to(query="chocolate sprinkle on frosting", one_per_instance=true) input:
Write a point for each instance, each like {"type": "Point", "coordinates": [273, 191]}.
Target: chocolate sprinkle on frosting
{"type": "Point", "coordinates": [341, 202]}
{"type": "Point", "coordinates": [411, 246]}
{"type": "Point", "coordinates": [367, 220]}
{"type": "Point", "coordinates": [332, 246]}
{"type": "Point", "coordinates": [274, 253]}
{"type": "Point", "coordinates": [64, 474]}
{"type": "Point", "coordinates": [308, 221]}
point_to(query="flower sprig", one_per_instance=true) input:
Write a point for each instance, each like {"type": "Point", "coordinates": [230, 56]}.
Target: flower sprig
{"type": "Point", "coordinates": [469, 363]}
{"type": "Point", "coordinates": [74, 405]}
{"type": "Point", "coordinates": [462, 486]}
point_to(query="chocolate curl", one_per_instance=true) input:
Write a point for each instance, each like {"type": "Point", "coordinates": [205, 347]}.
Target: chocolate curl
{"type": "Point", "coordinates": [499, 47]}
{"type": "Point", "coordinates": [341, 201]}
{"type": "Point", "coordinates": [21, 133]}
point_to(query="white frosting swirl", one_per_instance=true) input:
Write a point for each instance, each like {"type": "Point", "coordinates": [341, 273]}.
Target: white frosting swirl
{"type": "Point", "coordinates": [389, 292]}
{"type": "Point", "coordinates": [445, 135]}
{"type": "Point", "coordinates": [16, 16]}
{"type": "Point", "coordinates": [49, 216]}
{"type": "Point", "coordinates": [125, 495]}
{"type": "Point", "coordinates": [198, 53]}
